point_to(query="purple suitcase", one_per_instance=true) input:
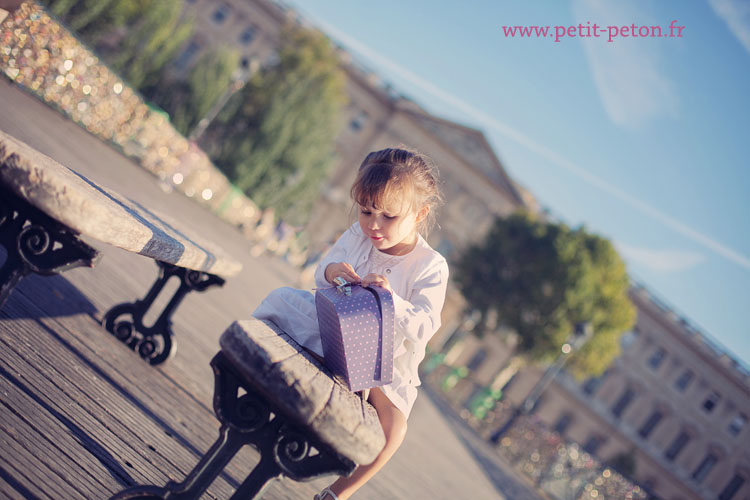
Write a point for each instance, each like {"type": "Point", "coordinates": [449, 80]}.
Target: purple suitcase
{"type": "Point", "coordinates": [357, 334]}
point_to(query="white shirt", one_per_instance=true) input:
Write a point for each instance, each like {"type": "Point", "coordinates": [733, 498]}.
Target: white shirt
{"type": "Point", "coordinates": [419, 280]}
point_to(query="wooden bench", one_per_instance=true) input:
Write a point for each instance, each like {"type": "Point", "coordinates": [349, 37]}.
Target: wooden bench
{"type": "Point", "coordinates": [271, 394]}
{"type": "Point", "coordinates": [46, 207]}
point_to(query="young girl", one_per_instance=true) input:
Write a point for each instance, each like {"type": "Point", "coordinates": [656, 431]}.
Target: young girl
{"type": "Point", "coordinates": [396, 192]}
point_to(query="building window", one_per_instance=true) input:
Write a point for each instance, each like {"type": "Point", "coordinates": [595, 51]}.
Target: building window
{"type": "Point", "coordinates": [732, 487]}
{"type": "Point", "coordinates": [248, 35]}
{"type": "Point", "coordinates": [358, 122]}
{"type": "Point", "coordinates": [649, 424]}
{"type": "Point", "coordinates": [683, 382]}
{"type": "Point", "coordinates": [593, 444]}
{"type": "Point", "coordinates": [191, 49]}
{"type": "Point", "coordinates": [220, 14]}
{"type": "Point", "coordinates": [563, 423]}
{"type": "Point", "coordinates": [705, 467]}
{"type": "Point", "coordinates": [711, 401]}
{"type": "Point", "coordinates": [677, 445]}
{"type": "Point", "coordinates": [619, 408]}
{"type": "Point", "coordinates": [591, 385]}
{"type": "Point", "coordinates": [657, 358]}
{"type": "Point", "coordinates": [737, 424]}
{"type": "Point", "coordinates": [477, 360]}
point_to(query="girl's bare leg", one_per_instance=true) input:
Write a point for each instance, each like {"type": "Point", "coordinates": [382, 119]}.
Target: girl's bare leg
{"type": "Point", "coordinates": [394, 428]}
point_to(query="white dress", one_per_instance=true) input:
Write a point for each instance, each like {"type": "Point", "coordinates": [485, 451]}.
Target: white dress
{"type": "Point", "coordinates": [418, 279]}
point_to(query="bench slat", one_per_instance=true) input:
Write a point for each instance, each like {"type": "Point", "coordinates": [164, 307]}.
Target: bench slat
{"type": "Point", "coordinates": [310, 388]}
{"type": "Point", "coordinates": [303, 389]}
{"type": "Point", "coordinates": [91, 210]}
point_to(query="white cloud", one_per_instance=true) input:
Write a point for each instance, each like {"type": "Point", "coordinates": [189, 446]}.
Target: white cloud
{"type": "Point", "coordinates": [530, 144]}
{"type": "Point", "coordinates": [736, 13]}
{"type": "Point", "coordinates": [627, 71]}
{"type": "Point", "coordinates": [666, 261]}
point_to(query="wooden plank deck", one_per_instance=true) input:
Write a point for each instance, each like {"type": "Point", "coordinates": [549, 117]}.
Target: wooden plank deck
{"type": "Point", "coordinates": [85, 416]}
{"type": "Point", "coordinates": [81, 416]}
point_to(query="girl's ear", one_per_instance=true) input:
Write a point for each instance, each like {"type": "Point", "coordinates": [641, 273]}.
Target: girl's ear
{"type": "Point", "coordinates": [422, 213]}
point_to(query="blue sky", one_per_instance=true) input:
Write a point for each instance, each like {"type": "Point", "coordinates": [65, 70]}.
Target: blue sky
{"type": "Point", "coordinates": [643, 140]}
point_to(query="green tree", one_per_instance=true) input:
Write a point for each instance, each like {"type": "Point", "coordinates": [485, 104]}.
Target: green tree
{"type": "Point", "coordinates": [136, 37]}
{"type": "Point", "coordinates": [190, 100]}
{"type": "Point", "coordinates": [86, 13]}
{"type": "Point", "coordinates": [275, 138]}
{"type": "Point", "coordinates": [541, 279]}
{"type": "Point", "coordinates": [80, 14]}
{"type": "Point", "coordinates": [60, 8]}
{"type": "Point", "coordinates": [150, 42]}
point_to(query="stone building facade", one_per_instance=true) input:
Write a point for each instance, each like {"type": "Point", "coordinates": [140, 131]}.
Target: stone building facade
{"type": "Point", "coordinates": [674, 400]}
{"type": "Point", "coordinates": [252, 28]}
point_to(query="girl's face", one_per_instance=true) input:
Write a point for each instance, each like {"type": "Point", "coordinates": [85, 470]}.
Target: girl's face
{"type": "Point", "coordinates": [392, 230]}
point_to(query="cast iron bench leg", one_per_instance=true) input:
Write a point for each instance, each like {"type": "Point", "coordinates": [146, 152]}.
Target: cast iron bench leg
{"type": "Point", "coordinates": [35, 243]}
{"type": "Point", "coordinates": [248, 418]}
{"type": "Point", "coordinates": [154, 343]}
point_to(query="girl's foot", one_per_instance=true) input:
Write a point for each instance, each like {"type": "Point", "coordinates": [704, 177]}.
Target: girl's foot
{"type": "Point", "coordinates": [326, 494]}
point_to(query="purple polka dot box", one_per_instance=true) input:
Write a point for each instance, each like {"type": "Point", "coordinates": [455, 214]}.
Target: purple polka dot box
{"type": "Point", "coordinates": [357, 334]}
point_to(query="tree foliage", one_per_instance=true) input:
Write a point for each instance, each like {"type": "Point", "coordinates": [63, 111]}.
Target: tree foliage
{"type": "Point", "coordinates": [188, 101]}
{"type": "Point", "coordinates": [136, 37]}
{"type": "Point", "coordinates": [541, 279]}
{"type": "Point", "coordinates": [275, 138]}
{"type": "Point", "coordinates": [82, 14]}
{"type": "Point", "coordinates": [151, 42]}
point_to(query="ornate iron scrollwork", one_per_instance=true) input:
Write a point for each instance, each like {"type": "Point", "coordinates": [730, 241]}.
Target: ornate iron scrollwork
{"type": "Point", "coordinates": [155, 343]}
{"type": "Point", "coordinates": [290, 451]}
{"type": "Point", "coordinates": [249, 419]}
{"type": "Point", "coordinates": [250, 413]}
{"type": "Point", "coordinates": [291, 446]}
{"type": "Point", "coordinates": [35, 243]}
{"type": "Point", "coordinates": [125, 322]}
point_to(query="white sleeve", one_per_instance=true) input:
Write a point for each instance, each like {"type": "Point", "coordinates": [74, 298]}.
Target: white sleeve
{"type": "Point", "coordinates": [339, 252]}
{"type": "Point", "coordinates": [418, 318]}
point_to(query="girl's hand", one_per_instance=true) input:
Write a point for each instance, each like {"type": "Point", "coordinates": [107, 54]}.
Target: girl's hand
{"type": "Point", "coordinates": [341, 269]}
{"type": "Point", "coordinates": [377, 280]}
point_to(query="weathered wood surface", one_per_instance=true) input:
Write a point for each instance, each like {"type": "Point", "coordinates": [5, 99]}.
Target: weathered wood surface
{"type": "Point", "coordinates": [82, 418]}
{"type": "Point", "coordinates": [103, 214]}
{"type": "Point", "coordinates": [304, 389]}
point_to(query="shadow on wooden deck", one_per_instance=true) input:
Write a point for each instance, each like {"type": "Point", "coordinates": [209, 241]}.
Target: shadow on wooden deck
{"type": "Point", "coordinates": [80, 415]}
{"type": "Point", "coordinates": [63, 299]}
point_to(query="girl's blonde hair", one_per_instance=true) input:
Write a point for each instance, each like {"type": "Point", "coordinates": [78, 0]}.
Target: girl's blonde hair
{"type": "Point", "coordinates": [394, 176]}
